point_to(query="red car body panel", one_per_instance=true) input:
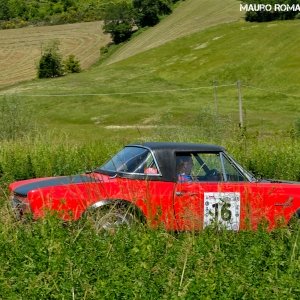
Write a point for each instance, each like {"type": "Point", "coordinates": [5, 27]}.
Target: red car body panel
{"type": "Point", "coordinates": [259, 202]}
{"type": "Point", "coordinates": [164, 201]}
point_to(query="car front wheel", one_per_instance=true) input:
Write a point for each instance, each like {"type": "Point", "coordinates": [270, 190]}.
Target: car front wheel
{"type": "Point", "coordinates": [110, 217]}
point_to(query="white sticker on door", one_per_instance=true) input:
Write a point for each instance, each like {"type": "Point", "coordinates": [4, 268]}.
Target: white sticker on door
{"type": "Point", "coordinates": [222, 209]}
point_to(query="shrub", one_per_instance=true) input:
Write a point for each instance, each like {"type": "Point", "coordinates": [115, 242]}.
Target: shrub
{"type": "Point", "coordinates": [72, 65]}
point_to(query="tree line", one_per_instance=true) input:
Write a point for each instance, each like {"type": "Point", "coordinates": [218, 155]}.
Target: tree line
{"type": "Point", "coordinates": [18, 13]}
{"type": "Point", "coordinates": [122, 19]}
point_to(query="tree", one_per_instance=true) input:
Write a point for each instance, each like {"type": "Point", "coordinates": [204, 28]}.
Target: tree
{"type": "Point", "coordinates": [119, 21]}
{"type": "Point", "coordinates": [4, 10]}
{"type": "Point", "coordinates": [149, 11]}
{"type": "Point", "coordinates": [50, 64]}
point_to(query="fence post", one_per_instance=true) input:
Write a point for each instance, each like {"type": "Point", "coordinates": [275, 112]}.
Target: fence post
{"type": "Point", "coordinates": [241, 124]}
{"type": "Point", "coordinates": [216, 96]}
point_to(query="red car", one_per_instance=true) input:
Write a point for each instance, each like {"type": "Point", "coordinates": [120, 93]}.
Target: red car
{"type": "Point", "coordinates": [180, 186]}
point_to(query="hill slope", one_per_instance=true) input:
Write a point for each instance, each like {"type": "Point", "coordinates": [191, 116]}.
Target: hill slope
{"type": "Point", "coordinates": [189, 17]}
{"type": "Point", "coordinates": [20, 49]}
{"type": "Point", "coordinates": [171, 86]}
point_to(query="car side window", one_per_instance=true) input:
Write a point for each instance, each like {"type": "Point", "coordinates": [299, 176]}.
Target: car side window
{"type": "Point", "coordinates": [206, 166]}
{"type": "Point", "coordinates": [199, 167]}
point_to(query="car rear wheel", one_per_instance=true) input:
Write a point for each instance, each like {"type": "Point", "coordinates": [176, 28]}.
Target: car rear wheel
{"type": "Point", "coordinates": [110, 217]}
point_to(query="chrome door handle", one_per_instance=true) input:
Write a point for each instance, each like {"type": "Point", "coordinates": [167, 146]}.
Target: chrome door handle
{"type": "Point", "coordinates": [185, 193]}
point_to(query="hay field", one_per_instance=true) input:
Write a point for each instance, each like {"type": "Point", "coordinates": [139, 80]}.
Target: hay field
{"type": "Point", "coordinates": [189, 17]}
{"type": "Point", "coordinates": [20, 49]}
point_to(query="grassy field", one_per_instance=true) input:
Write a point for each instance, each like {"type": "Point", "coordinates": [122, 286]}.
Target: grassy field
{"type": "Point", "coordinates": [20, 49]}
{"type": "Point", "coordinates": [169, 89]}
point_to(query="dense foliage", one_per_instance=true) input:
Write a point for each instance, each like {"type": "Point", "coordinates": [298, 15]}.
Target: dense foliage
{"type": "Point", "coordinates": [19, 13]}
{"type": "Point", "coordinates": [16, 13]}
{"type": "Point", "coordinates": [46, 260]}
{"type": "Point", "coordinates": [265, 15]}
{"type": "Point", "coordinates": [148, 11]}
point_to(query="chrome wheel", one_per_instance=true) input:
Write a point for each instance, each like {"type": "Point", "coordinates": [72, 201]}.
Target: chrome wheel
{"type": "Point", "coordinates": [109, 218]}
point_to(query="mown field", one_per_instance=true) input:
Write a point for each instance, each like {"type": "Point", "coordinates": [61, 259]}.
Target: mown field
{"type": "Point", "coordinates": [20, 49]}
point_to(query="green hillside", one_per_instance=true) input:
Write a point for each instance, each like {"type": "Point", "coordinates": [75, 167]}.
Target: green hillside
{"type": "Point", "coordinates": [190, 16]}
{"type": "Point", "coordinates": [169, 89]}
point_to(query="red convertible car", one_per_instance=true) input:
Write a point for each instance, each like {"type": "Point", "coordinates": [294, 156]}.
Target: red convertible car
{"type": "Point", "coordinates": [179, 186]}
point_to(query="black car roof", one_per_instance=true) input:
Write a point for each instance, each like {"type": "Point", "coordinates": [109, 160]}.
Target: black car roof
{"type": "Point", "coordinates": [156, 146]}
{"type": "Point", "coordinates": [165, 154]}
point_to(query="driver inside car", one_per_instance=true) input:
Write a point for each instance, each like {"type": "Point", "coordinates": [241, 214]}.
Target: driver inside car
{"type": "Point", "coordinates": [184, 166]}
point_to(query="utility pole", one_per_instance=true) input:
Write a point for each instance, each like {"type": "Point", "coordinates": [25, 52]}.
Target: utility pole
{"type": "Point", "coordinates": [241, 124]}
{"type": "Point", "coordinates": [216, 97]}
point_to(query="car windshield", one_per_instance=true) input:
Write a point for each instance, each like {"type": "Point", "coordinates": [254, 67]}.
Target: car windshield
{"type": "Point", "coordinates": [134, 160]}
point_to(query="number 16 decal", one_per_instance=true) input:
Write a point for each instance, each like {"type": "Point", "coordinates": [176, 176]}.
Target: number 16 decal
{"type": "Point", "coordinates": [222, 209]}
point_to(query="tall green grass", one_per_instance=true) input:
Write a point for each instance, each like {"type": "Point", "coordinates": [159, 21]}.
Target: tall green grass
{"type": "Point", "coordinates": [49, 260]}
{"type": "Point", "coordinates": [54, 154]}
{"type": "Point", "coordinates": [50, 155]}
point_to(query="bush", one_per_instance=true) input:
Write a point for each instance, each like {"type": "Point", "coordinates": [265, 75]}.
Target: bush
{"type": "Point", "coordinates": [72, 65]}
{"type": "Point", "coordinates": [50, 64]}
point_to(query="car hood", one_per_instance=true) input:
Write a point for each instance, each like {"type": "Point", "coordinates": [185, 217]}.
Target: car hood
{"type": "Point", "coordinates": [23, 187]}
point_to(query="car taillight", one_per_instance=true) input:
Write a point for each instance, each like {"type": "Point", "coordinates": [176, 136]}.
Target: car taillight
{"type": "Point", "coordinates": [20, 206]}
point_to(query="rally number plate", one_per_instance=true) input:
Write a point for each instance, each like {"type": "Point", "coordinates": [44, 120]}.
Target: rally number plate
{"type": "Point", "coordinates": [222, 209]}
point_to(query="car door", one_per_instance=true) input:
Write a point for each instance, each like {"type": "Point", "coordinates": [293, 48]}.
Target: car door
{"type": "Point", "coordinates": [216, 194]}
